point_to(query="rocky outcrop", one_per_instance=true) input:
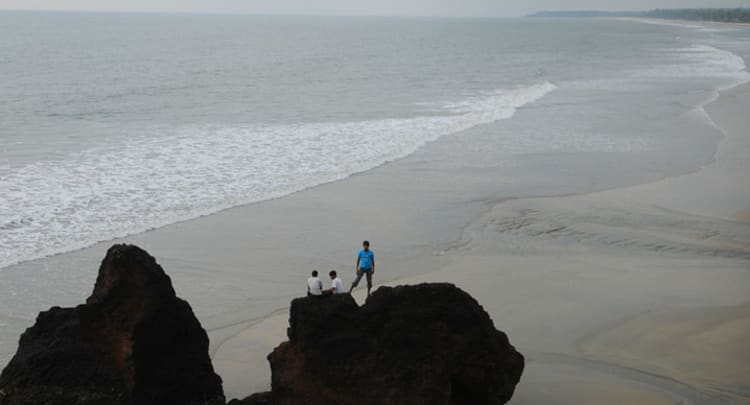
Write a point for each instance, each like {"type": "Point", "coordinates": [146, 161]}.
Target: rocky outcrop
{"type": "Point", "coordinates": [263, 398]}
{"type": "Point", "coordinates": [133, 342]}
{"type": "Point", "coordinates": [423, 344]}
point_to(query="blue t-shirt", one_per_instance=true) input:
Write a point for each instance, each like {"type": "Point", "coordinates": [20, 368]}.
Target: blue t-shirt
{"type": "Point", "coordinates": [365, 259]}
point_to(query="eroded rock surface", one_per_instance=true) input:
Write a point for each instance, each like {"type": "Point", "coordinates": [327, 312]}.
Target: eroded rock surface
{"type": "Point", "coordinates": [133, 342]}
{"type": "Point", "coordinates": [423, 344]}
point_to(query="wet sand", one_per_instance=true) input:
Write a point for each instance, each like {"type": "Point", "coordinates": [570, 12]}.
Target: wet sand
{"type": "Point", "coordinates": [634, 295]}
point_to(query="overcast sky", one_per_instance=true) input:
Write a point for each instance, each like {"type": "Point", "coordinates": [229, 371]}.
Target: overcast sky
{"type": "Point", "coordinates": [363, 7]}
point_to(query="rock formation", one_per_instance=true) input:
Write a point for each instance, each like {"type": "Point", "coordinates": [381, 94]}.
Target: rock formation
{"type": "Point", "coordinates": [134, 342]}
{"type": "Point", "coordinates": [263, 398]}
{"type": "Point", "coordinates": [423, 344]}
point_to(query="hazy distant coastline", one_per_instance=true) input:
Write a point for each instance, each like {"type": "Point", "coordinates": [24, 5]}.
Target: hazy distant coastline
{"type": "Point", "coordinates": [727, 15]}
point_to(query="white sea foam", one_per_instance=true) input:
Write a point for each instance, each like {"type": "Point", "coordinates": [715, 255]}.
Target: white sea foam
{"type": "Point", "coordinates": [174, 175]}
{"type": "Point", "coordinates": [702, 61]}
{"type": "Point", "coordinates": [706, 26]}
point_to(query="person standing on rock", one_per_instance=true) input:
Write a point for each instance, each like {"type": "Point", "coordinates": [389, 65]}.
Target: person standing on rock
{"type": "Point", "coordinates": [314, 285]}
{"type": "Point", "coordinates": [365, 266]}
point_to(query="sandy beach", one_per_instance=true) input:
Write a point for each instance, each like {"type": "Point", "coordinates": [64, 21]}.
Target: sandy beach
{"type": "Point", "coordinates": [632, 295]}
{"type": "Point", "coordinates": [635, 291]}
{"type": "Point", "coordinates": [639, 294]}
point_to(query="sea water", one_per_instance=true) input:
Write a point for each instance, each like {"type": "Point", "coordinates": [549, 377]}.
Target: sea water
{"type": "Point", "coordinates": [115, 124]}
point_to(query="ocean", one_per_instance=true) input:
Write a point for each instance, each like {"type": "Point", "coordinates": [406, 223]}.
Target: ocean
{"type": "Point", "coordinates": [114, 124]}
{"type": "Point", "coordinates": [118, 124]}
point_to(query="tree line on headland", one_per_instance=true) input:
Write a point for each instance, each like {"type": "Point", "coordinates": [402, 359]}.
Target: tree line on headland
{"type": "Point", "coordinates": [730, 15]}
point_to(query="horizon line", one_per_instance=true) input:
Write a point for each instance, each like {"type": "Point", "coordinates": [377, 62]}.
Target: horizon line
{"type": "Point", "coordinates": [259, 14]}
{"type": "Point", "coordinates": [344, 15]}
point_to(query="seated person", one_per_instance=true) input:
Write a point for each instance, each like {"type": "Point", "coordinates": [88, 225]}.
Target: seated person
{"type": "Point", "coordinates": [314, 285]}
{"type": "Point", "coordinates": [337, 286]}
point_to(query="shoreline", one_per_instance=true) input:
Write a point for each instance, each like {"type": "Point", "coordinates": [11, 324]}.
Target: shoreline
{"type": "Point", "coordinates": [674, 20]}
{"type": "Point", "coordinates": [647, 379]}
{"type": "Point", "coordinates": [247, 205]}
{"type": "Point", "coordinates": [566, 275]}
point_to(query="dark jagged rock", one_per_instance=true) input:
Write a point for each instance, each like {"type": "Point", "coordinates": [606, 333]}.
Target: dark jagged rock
{"type": "Point", "coordinates": [133, 342]}
{"type": "Point", "coordinates": [423, 344]}
{"type": "Point", "coordinates": [263, 398]}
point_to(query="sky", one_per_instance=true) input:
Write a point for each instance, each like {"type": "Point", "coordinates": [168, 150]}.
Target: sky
{"type": "Point", "coordinates": [362, 7]}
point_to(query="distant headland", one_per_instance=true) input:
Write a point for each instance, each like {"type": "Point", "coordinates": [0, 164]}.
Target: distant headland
{"type": "Point", "coordinates": [727, 15]}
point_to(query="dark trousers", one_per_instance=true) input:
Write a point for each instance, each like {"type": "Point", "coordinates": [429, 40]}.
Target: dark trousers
{"type": "Point", "coordinates": [360, 273]}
